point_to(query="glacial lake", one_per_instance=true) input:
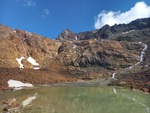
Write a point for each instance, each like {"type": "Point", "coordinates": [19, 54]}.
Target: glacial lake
{"type": "Point", "coordinates": [77, 99]}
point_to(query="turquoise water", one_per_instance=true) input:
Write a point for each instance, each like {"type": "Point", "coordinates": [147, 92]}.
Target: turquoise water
{"type": "Point", "coordinates": [79, 100]}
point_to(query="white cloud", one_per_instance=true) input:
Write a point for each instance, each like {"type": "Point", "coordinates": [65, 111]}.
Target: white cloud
{"type": "Point", "coordinates": [29, 3]}
{"type": "Point", "coordinates": [140, 10]}
{"type": "Point", "coordinates": [46, 11]}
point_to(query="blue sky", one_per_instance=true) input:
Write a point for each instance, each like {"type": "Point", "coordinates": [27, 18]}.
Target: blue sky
{"type": "Point", "coordinates": [50, 17]}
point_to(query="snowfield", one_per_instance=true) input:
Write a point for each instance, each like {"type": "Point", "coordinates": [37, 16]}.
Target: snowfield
{"type": "Point", "coordinates": [18, 84]}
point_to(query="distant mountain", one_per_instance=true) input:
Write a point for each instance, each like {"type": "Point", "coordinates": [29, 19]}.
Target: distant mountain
{"type": "Point", "coordinates": [66, 35]}
{"type": "Point", "coordinates": [133, 31]}
{"type": "Point", "coordinates": [136, 31]}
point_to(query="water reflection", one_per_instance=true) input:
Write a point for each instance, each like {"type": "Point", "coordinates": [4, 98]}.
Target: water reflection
{"type": "Point", "coordinates": [78, 100]}
{"type": "Point", "coordinates": [29, 100]}
{"type": "Point", "coordinates": [133, 99]}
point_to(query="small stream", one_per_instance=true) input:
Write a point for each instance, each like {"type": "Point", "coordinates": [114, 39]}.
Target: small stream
{"type": "Point", "coordinates": [141, 57]}
{"type": "Point", "coordinates": [77, 99]}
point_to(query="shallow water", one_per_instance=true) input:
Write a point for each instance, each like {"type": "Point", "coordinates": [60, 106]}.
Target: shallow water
{"type": "Point", "coordinates": [79, 100]}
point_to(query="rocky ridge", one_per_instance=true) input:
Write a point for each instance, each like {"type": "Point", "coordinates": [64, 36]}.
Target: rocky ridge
{"type": "Point", "coordinates": [134, 31]}
{"type": "Point", "coordinates": [75, 56]}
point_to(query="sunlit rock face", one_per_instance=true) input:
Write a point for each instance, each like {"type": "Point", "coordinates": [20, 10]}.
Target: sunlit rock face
{"type": "Point", "coordinates": [86, 49]}
{"type": "Point", "coordinates": [105, 53]}
{"type": "Point", "coordinates": [66, 35]}
{"type": "Point", "coordinates": [86, 55]}
{"type": "Point", "coordinates": [18, 43]}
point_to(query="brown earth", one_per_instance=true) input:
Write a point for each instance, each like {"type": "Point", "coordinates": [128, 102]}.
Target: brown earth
{"type": "Point", "coordinates": [55, 73]}
{"type": "Point", "coordinates": [17, 43]}
{"type": "Point", "coordinates": [139, 81]}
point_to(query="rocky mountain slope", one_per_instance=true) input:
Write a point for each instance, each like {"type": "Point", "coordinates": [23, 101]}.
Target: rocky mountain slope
{"type": "Point", "coordinates": [17, 43]}
{"type": "Point", "coordinates": [74, 56]}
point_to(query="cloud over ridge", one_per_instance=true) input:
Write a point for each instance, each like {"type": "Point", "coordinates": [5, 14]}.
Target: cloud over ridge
{"type": "Point", "coordinates": [140, 10]}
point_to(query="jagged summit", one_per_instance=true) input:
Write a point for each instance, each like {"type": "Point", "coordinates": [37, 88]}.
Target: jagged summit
{"type": "Point", "coordinates": [138, 29]}
{"type": "Point", "coordinates": [66, 35]}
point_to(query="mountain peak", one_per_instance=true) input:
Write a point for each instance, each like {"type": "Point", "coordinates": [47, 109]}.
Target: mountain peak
{"type": "Point", "coordinates": [108, 32]}
{"type": "Point", "coordinates": [67, 31]}
{"type": "Point", "coordinates": [66, 35]}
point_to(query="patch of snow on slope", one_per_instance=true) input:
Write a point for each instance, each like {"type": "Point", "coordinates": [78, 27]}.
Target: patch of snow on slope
{"type": "Point", "coordinates": [17, 84]}
{"type": "Point", "coordinates": [33, 62]}
{"type": "Point", "coordinates": [19, 62]}
{"type": "Point", "coordinates": [113, 75]}
{"type": "Point", "coordinates": [128, 32]}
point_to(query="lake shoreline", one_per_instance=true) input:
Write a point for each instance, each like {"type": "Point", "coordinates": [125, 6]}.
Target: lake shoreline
{"type": "Point", "coordinates": [46, 77]}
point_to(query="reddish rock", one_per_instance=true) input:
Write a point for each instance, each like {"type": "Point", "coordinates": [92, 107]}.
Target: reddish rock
{"type": "Point", "coordinates": [12, 106]}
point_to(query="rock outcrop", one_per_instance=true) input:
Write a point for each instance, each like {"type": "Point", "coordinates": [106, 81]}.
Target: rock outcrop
{"type": "Point", "coordinates": [66, 35]}
{"type": "Point", "coordinates": [107, 54]}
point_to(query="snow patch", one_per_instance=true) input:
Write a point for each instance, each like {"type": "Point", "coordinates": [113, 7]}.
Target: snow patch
{"type": "Point", "coordinates": [14, 31]}
{"type": "Point", "coordinates": [19, 62]}
{"type": "Point", "coordinates": [29, 100]}
{"type": "Point", "coordinates": [128, 32]}
{"type": "Point", "coordinates": [18, 84]}
{"type": "Point", "coordinates": [76, 37]}
{"type": "Point", "coordinates": [113, 75]}
{"type": "Point", "coordinates": [30, 60]}
{"type": "Point", "coordinates": [33, 62]}
{"type": "Point", "coordinates": [36, 68]}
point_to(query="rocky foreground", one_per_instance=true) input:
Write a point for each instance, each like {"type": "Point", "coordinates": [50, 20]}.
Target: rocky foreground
{"type": "Point", "coordinates": [70, 57]}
